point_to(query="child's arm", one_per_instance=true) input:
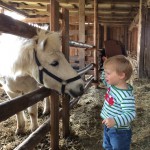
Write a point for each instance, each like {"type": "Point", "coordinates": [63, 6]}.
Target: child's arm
{"type": "Point", "coordinates": [103, 79]}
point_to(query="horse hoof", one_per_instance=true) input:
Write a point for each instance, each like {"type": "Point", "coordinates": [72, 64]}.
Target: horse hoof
{"type": "Point", "coordinates": [34, 128]}
{"type": "Point", "coordinates": [20, 131]}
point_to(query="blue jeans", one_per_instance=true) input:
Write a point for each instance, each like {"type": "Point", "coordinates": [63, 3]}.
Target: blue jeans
{"type": "Point", "coordinates": [116, 139]}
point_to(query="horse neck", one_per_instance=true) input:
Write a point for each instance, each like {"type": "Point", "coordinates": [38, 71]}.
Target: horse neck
{"type": "Point", "coordinates": [24, 64]}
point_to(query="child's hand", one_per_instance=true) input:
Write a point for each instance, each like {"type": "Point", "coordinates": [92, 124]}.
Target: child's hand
{"type": "Point", "coordinates": [104, 58]}
{"type": "Point", "coordinates": [109, 122]}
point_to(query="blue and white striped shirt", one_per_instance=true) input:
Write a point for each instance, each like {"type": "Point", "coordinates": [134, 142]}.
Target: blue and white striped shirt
{"type": "Point", "coordinates": [120, 105]}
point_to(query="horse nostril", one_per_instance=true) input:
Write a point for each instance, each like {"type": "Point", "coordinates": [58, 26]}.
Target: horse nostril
{"type": "Point", "coordinates": [81, 88]}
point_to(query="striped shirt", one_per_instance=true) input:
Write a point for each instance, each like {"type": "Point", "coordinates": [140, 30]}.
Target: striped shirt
{"type": "Point", "coordinates": [120, 105]}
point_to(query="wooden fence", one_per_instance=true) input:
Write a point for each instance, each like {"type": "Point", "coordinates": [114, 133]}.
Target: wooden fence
{"type": "Point", "coordinates": [29, 99]}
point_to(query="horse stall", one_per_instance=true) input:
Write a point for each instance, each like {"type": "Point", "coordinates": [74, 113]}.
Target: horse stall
{"type": "Point", "coordinates": [28, 100]}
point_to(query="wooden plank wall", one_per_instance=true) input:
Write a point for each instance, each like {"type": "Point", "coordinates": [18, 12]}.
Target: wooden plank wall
{"type": "Point", "coordinates": [133, 37]}
{"type": "Point", "coordinates": [116, 33]}
{"type": "Point", "coordinates": [113, 33]}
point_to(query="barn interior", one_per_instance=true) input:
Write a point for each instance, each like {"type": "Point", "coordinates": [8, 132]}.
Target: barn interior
{"type": "Point", "coordinates": [116, 26]}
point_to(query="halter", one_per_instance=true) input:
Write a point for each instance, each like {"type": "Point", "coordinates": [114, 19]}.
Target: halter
{"type": "Point", "coordinates": [44, 70]}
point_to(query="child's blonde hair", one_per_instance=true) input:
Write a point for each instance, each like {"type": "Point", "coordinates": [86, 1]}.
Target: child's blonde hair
{"type": "Point", "coordinates": [120, 64]}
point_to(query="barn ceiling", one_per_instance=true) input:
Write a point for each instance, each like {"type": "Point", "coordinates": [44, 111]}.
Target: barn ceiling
{"type": "Point", "coordinates": [109, 11]}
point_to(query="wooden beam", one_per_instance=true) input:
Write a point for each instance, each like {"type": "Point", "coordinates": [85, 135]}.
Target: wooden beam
{"type": "Point", "coordinates": [12, 26]}
{"type": "Point", "coordinates": [115, 24]}
{"type": "Point", "coordinates": [36, 20]}
{"type": "Point", "coordinates": [115, 19]}
{"type": "Point", "coordinates": [6, 110]}
{"type": "Point", "coordinates": [121, 9]}
{"type": "Point", "coordinates": [32, 1]}
{"type": "Point", "coordinates": [118, 1]}
{"type": "Point", "coordinates": [21, 6]}
{"type": "Point", "coordinates": [46, 1]}
{"type": "Point", "coordinates": [4, 5]}
{"type": "Point", "coordinates": [33, 13]}
{"type": "Point", "coordinates": [107, 12]}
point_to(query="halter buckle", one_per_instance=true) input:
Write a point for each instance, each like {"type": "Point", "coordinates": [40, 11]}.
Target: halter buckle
{"type": "Point", "coordinates": [64, 82]}
{"type": "Point", "coordinates": [40, 68]}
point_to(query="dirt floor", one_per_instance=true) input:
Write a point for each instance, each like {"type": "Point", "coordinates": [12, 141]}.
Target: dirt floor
{"type": "Point", "coordinates": [85, 123]}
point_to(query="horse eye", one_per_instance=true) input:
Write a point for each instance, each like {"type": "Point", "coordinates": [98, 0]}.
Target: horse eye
{"type": "Point", "coordinates": [54, 63]}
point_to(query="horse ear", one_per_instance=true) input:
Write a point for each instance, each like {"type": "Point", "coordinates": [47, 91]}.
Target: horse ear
{"type": "Point", "coordinates": [38, 31]}
{"type": "Point", "coordinates": [36, 41]}
{"type": "Point", "coordinates": [43, 44]}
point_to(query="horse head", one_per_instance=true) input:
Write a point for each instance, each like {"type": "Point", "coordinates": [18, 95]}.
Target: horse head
{"type": "Point", "coordinates": [51, 68]}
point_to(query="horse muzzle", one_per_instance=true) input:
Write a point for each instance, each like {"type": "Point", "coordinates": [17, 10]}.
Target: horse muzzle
{"type": "Point", "coordinates": [77, 92]}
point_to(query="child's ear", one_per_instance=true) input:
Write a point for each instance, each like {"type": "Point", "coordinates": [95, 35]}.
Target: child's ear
{"type": "Point", "coordinates": [122, 75]}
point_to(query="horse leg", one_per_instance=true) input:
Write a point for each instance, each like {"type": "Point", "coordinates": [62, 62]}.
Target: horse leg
{"type": "Point", "coordinates": [20, 116]}
{"type": "Point", "coordinates": [33, 112]}
{"type": "Point", "coordinates": [21, 121]}
{"type": "Point", "coordinates": [46, 110]}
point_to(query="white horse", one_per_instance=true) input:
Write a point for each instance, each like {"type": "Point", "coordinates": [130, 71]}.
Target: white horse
{"type": "Point", "coordinates": [24, 63]}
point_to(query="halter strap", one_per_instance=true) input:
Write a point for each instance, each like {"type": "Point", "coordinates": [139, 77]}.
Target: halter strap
{"type": "Point", "coordinates": [44, 70]}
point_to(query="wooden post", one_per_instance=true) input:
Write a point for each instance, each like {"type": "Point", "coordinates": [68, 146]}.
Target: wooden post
{"type": "Point", "coordinates": [96, 74]}
{"type": "Point", "coordinates": [54, 137]}
{"type": "Point", "coordinates": [65, 50]}
{"type": "Point", "coordinates": [54, 17]}
{"type": "Point", "coordinates": [129, 41]}
{"type": "Point", "coordinates": [65, 115]}
{"type": "Point", "coordinates": [147, 46]}
{"type": "Point", "coordinates": [81, 52]}
{"type": "Point", "coordinates": [54, 121]}
{"type": "Point", "coordinates": [65, 33]}
{"type": "Point", "coordinates": [126, 37]}
{"type": "Point", "coordinates": [141, 38]}
{"type": "Point", "coordinates": [105, 32]}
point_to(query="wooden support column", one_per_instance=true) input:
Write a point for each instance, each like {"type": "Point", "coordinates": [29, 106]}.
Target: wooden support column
{"type": "Point", "coordinates": [65, 33]}
{"type": "Point", "coordinates": [81, 52]}
{"type": "Point", "coordinates": [65, 115]}
{"type": "Point", "coordinates": [54, 17]}
{"type": "Point", "coordinates": [147, 46]}
{"type": "Point", "coordinates": [126, 38]}
{"type": "Point", "coordinates": [96, 35]}
{"type": "Point", "coordinates": [65, 50]}
{"type": "Point", "coordinates": [54, 105]}
{"type": "Point", "coordinates": [129, 41]}
{"type": "Point", "coordinates": [141, 38]}
{"type": "Point", "coordinates": [105, 32]}
{"type": "Point", "coordinates": [54, 121]}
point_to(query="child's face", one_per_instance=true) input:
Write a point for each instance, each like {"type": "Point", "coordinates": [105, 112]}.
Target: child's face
{"type": "Point", "coordinates": [112, 77]}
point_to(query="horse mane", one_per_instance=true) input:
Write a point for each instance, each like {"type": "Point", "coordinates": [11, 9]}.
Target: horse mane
{"type": "Point", "coordinates": [17, 53]}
